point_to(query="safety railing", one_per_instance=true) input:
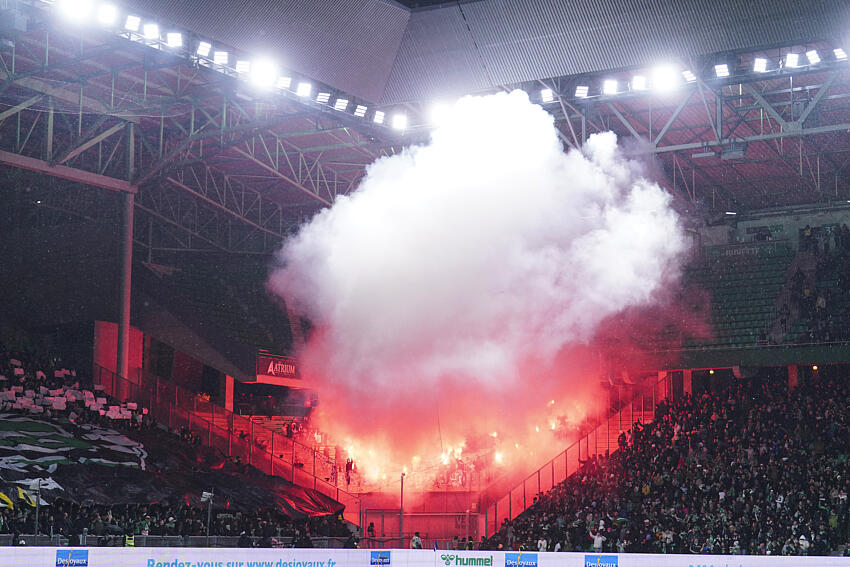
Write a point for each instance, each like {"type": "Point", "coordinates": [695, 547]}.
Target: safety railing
{"type": "Point", "coordinates": [238, 436]}
{"type": "Point", "coordinates": [599, 441]}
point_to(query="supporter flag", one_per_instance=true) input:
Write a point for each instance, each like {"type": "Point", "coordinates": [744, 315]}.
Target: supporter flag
{"type": "Point", "coordinates": [6, 502]}
{"type": "Point", "coordinates": [26, 497]}
{"type": "Point", "coordinates": [435, 545]}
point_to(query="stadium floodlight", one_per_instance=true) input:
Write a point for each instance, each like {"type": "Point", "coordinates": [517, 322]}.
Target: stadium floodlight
{"type": "Point", "coordinates": [610, 87]}
{"type": "Point", "coordinates": [151, 31]}
{"type": "Point", "coordinates": [263, 73]}
{"type": "Point", "coordinates": [689, 75]}
{"type": "Point", "coordinates": [341, 104]}
{"type": "Point", "coordinates": [638, 83]}
{"type": "Point", "coordinates": [174, 40]}
{"type": "Point", "coordinates": [132, 23]}
{"type": "Point", "coordinates": [221, 57]}
{"type": "Point", "coordinates": [581, 91]}
{"type": "Point", "coordinates": [107, 14]}
{"type": "Point", "coordinates": [360, 111]}
{"type": "Point", "coordinates": [76, 10]}
{"type": "Point", "coordinates": [792, 59]}
{"type": "Point", "coordinates": [379, 117]}
{"type": "Point", "coordinates": [323, 98]}
{"type": "Point", "coordinates": [243, 66]}
{"type": "Point", "coordinates": [204, 49]}
{"type": "Point", "coordinates": [546, 95]}
{"type": "Point", "coordinates": [813, 57]}
{"type": "Point", "coordinates": [840, 54]}
{"type": "Point", "coordinates": [284, 82]}
{"type": "Point", "coordinates": [664, 78]}
{"type": "Point", "coordinates": [759, 65]}
{"type": "Point", "coordinates": [304, 89]}
{"type": "Point", "coordinates": [721, 70]}
{"type": "Point", "coordinates": [399, 121]}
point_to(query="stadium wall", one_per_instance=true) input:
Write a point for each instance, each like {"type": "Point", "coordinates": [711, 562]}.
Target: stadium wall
{"type": "Point", "coordinates": [218, 557]}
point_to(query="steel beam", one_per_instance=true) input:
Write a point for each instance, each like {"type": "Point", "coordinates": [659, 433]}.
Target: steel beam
{"type": "Point", "coordinates": [821, 92]}
{"type": "Point", "coordinates": [757, 138]}
{"type": "Point", "coordinates": [286, 178]}
{"type": "Point", "coordinates": [625, 122]}
{"type": "Point", "coordinates": [673, 118]}
{"type": "Point", "coordinates": [22, 106]}
{"type": "Point", "coordinates": [65, 172]}
{"type": "Point", "coordinates": [86, 145]}
{"type": "Point", "coordinates": [766, 105]}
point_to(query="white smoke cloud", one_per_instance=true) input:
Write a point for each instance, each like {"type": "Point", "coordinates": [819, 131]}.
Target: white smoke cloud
{"type": "Point", "coordinates": [485, 247]}
{"type": "Point", "coordinates": [460, 267]}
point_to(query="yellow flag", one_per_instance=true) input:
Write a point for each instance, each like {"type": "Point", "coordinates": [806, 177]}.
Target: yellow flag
{"type": "Point", "coordinates": [25, 496]}
{"type": "Point", "coordinates": [6, 502]}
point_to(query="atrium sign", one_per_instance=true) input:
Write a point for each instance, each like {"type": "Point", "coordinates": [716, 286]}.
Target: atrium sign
{"type": "Point", "coordinates": [276, 366]}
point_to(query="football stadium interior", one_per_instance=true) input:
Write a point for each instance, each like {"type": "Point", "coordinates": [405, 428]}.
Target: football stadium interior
{"type": "Point", "coordinates": [482, 278]}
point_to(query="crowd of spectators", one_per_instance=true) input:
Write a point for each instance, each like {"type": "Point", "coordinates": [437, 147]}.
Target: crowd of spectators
{"type": "Point", "coordinates": [753, 469]}
{"type": "Point", "coordinates": [114, 524]}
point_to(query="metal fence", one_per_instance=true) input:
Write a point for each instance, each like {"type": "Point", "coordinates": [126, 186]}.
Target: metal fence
{"type": "Point", "coordinates": [238, 436]}
{"type": "Point", "coordinates": [601, 440]}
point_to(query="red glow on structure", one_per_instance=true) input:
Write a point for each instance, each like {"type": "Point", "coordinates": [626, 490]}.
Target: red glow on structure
{"type": "Point", "coordinates": [491, 428]}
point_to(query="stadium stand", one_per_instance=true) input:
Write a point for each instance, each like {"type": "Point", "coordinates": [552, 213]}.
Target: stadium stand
{"type": "Point", "coordinates": [103, 470]}
{"type": "Point", "coordinates": [751, 469]}
{"type": "Point", "coordinates": [744, 282]}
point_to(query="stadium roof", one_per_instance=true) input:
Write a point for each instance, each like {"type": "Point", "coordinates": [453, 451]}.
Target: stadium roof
{"type": "Point", "coordinates": [218, 165]}
{"type": "Point", "coordinates": [382, 51]}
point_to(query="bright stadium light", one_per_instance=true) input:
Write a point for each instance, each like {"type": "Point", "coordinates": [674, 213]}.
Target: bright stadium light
{"type": "Point", "coordinates": [107, 14]}
{"type": "Point", "coordinates": [581, 91]}
{"type": "Point", "coordinates": [221, 57]}
{"type": "Point", "coordinates": [610, 87]}
{"type": "Point", "coordinates": [813, 57]}
{"type": "Point", "coordinates": [664, 78]}
{"type": "Point", "coordinates": [546, 95]}
{"type": "Point", "coordinates": [638, 83]}
{"type": "Point", "coordinates": [323, 98]}
{"type": "Point", "coordinates": [689, 75]}
{"type": "Point", "coordinates": [132, 23]}
{"type": "Point", "coordinates": [304, 89]}
{"type": "Point", "coordinates": [721, 70]}
{"type": "Point", "coordinates": [243, 66]}
{"type": "Point", "coordinates": [284, 82]}
{"type": "Point", "coordinates": [174, 39]}
{"type": "Point", "coordinates": [840, 54]}
{"type": "Point", "coordinates": [759, 65]}
{"type": "Point", "coordinates": [263, 73]}
{"type": "Point", "coordinates": [341, 104]}
{"type": "Point", "coordinates": [379, 117]}
{"type": "Point", "coordinates": [204, 49]}
{"type": "Point", "coordinates": [360, 111]}
{"type": "Point", "coordinates": [76, 10]}
{"type": "Point", "coordinates": [792, 59]}
{"type": "Point", "coordinates": [151, 31]}
{"type": "Point", "coordinates": [399, 121]}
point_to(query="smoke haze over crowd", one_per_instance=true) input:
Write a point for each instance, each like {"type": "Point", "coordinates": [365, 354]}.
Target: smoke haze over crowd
{"type": "Point", "coordinates": [452, 293]}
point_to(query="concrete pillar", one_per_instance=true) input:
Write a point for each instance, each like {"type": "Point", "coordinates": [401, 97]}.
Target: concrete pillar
{"type": "Point", "coordinates": [126, 282]}
{"type": "Point", "coordinates": [792, 376]}
{"type": "Point", "coordinates": [686, 382]}
{"type": "Point", "coordinates": [228, 393]}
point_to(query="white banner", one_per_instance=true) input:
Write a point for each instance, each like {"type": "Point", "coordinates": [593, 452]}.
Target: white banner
{"type": "Point", "coordinates": [230, 557]}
